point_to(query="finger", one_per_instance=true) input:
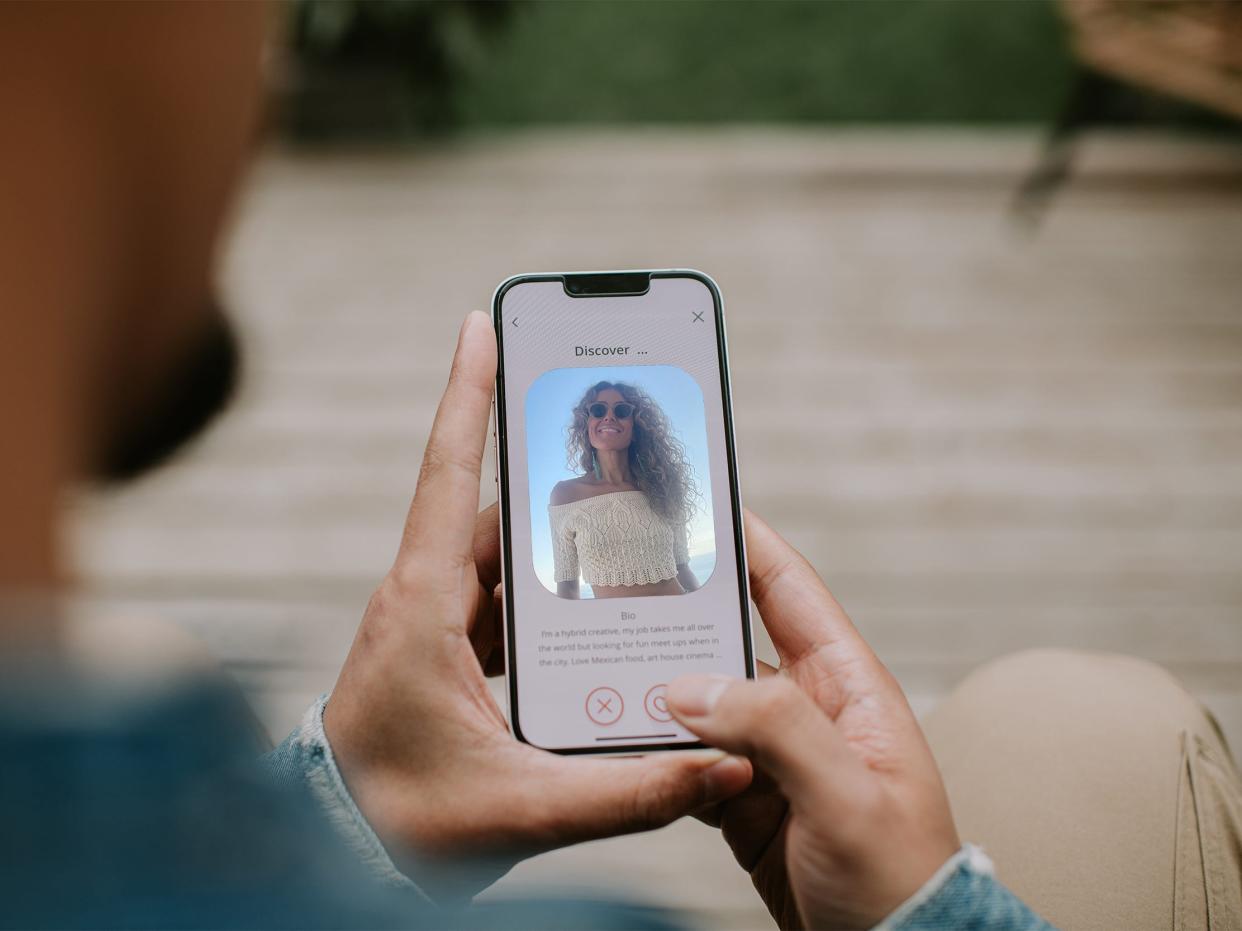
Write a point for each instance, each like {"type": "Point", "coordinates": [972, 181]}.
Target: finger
{"type": "Point", "coordinates": [747, 812]}
{"type": "Point", "coordinates": [487, 634]}
{"type": "Point", "coordinates": [440, 527]}
{"type": "Point", "coordinates": [487, 546]}
{"type": "Point", "coordinates": [766, 670]}
{"type": "Point", "coordinates": [483, 629]}
{"type": "Point", "coordinates": [797, 608]}
{"type": "Point", "coordinates": [495, 665]}
{"type": "Point", "coordinates": [756, 822]}
{"type": "Point", "coordinates": [776, 724]}
{"type": "Point", "coordinates": [818, 644]}
{"type": "Point", "coordinates": [602, 798]}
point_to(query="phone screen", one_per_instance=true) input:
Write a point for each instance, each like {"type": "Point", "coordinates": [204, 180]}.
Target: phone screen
{"type": "Point", "coordinates": [623, 558]}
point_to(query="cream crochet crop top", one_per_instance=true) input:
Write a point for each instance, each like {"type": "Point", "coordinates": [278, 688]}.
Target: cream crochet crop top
{"type": "Point", "coordinates": [615, 539]}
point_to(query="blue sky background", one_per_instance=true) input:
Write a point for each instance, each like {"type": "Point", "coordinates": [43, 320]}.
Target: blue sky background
{"type": "Point", "coordinates": [549, 411]}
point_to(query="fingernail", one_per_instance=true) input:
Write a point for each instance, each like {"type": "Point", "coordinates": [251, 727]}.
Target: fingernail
{"type": "Point", "coordinates": [696, 695]}
{"type": "Point", "coordinates": [727, 778]}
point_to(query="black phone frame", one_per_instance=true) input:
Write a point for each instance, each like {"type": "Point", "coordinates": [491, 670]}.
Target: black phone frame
{"type": "Point", "coordinates": [502, 472]}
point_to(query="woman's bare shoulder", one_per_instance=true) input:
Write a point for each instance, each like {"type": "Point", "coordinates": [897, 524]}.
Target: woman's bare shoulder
{"type": "Point", "coordinates": [581, 488]}
{"type": "Point", "coordinates": [569, 491]}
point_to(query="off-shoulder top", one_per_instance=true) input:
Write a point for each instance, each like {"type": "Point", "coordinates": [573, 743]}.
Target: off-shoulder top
{"type": "Point", "coordinates": [615, 539]}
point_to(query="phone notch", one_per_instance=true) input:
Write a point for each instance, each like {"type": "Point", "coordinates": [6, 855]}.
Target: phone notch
{"type": "Point", "coordinates": [611, 284]}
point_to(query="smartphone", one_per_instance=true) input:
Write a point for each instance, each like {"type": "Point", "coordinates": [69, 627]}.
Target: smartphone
{"type": "Point", "coordinates": [623, 558]}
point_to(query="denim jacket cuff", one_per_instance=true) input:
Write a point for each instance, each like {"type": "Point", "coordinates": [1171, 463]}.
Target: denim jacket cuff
{"type": "Point", "coordinates": [964, 895]}
{"type": "Point", "coordinates": [307, 753]}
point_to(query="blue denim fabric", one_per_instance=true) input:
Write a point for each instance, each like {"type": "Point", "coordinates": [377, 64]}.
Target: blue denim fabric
{"type": "Point", "coordinates": [134, 810]}
{"type": "Point", "coordinates": [964, 896]}
{"type": "Point", "coordinates": [304, 762]}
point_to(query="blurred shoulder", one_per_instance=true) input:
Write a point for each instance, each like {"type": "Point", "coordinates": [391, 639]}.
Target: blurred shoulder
{"type": "Point", "coordinates": [569, 491]}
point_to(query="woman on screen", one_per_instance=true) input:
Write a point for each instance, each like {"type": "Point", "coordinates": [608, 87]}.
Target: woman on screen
{"type": "Point", "coordinates": [621, 526]}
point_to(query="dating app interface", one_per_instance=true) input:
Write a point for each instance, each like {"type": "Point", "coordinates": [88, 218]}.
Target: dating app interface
{"type": "Point", "coordinates": [624, 560]}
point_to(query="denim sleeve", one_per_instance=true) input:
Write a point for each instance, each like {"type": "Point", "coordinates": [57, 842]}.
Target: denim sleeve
{"type": "Point", "coordinates": [304, 760]}
{"type": "Point", "coordinates": [964, 895]}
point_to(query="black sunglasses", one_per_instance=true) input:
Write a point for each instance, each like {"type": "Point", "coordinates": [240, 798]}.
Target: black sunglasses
{"type": "Point", "coordinates": [621, 409]}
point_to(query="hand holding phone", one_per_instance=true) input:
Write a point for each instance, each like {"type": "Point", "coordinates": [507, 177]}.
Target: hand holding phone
{"type": "Point", "coordinates": [848, 817]}
{"type": "Point", "coordinates": [422, 746]}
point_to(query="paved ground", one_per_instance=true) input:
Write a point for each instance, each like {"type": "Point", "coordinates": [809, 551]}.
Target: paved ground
{"type": "Point", "coordinates": [985, 437]}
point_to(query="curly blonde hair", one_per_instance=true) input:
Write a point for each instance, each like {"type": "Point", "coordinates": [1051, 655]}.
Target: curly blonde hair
{"type": "Point", "coordinates": [659, 464]}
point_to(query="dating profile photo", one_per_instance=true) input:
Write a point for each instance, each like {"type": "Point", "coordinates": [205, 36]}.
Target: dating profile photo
{"type": "Point", "coordinates": [620, 495]}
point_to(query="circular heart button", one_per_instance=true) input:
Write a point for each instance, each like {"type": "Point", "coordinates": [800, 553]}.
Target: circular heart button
{"type": "Point", "coordinates": [655, 703]}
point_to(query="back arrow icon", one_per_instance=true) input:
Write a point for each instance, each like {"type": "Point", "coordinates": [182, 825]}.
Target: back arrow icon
{"type": "Point", "coordinates": [515, 319]}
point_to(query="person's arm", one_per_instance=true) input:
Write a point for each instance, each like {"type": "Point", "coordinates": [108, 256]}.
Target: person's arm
{"type": "Point", "coordinates": [681, 553]}
{"type": "Point", "coordinates": [564, 546]}
{"type": "Point", "coordinates": [964, 895]}
{"type": "Point", "coordinates": [305, 760]}
{"type": "Point", "coordinates": [868, 837]}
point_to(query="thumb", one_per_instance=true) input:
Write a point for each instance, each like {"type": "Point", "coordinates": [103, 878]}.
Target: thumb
{"type": "Point", "coordinates": [777, 725]}
{"type": "Point", "coordinates": [589, 799]}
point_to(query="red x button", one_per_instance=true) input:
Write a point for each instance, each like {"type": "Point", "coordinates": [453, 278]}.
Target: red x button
{"type": "Point", "coordinates": [604, 705]}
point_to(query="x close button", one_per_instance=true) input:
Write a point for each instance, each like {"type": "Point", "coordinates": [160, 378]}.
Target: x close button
{"type": "Point", "coordinates": [604, 705]}
{"type": "Point", "coordinates": [698, 316]}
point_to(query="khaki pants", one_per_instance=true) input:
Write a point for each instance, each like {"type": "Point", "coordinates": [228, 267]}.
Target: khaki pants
{"type": "Point", "coordinates": [1104, 793]}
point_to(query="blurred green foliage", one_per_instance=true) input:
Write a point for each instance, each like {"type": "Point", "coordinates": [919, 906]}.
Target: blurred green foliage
{"type": "Point", "coordinates": [383, 68]}
{"type": "Point", "coordinates": [392, 68]}
{"type": "Point", "coordinates": [773, 61]}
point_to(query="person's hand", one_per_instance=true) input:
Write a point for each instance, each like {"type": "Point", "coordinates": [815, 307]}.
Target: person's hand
{"type": "Point", "coordinates": [847, 817]}
{"type": "Point", "coordinates": [422, 746]}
